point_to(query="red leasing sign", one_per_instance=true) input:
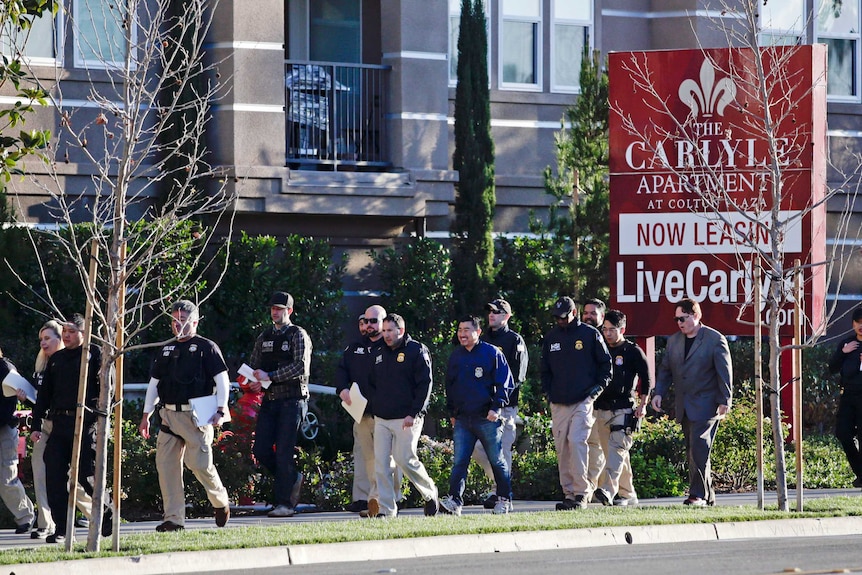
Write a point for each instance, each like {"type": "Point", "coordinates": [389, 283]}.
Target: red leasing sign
{"type": "Point", "coordinates": [692, 195]}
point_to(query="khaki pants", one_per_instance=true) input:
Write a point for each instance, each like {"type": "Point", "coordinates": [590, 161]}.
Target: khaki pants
{"type": "Point", "coordinates": [43, 519]}
{"type": "Point", "coordinates": [615, 445]}
{"type": "Point", "coordinates": [11, 489]}
{"type": "Point", "coordinates": [571, 427]}
{"type": "Point", "coordinates": [364, 482]}
{"type": "Point", "coordinates": [395, 445]}
{"type": "Point", "coordinates": [194, 448]}
{"type": "Point", "coordinates": [597, 459]}
{"type": "Point", "coordinates": [364, 474]}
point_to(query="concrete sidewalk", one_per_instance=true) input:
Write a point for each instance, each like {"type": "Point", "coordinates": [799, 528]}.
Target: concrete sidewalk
{"type": "Point", "coordinates": [202, 561]}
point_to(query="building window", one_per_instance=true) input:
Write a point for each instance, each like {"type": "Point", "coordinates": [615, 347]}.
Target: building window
{"type": "Point", "coordinates": [837, 25]}
{"type": "Point", "coordinates": [782, 23]}
{"type": "Point", "coordinates": [520, 44]}
{"type": "Point", "coordinates": [39, 41]}
{"type": "Point", "coordinates": [100, 37]}
{"type": "Point", "coordinates": [454, 31]}
{"type": "Point", "coordinates": [572, 25]}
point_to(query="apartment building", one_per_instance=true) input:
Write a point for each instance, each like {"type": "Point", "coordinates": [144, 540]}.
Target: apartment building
{"type": "Point", "coordinates": [339, 118]}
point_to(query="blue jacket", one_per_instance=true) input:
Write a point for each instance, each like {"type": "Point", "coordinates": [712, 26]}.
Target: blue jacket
{"type": "Point", "coordinates": [400, 381]}
{"type": "Point", "coordinates": [477, 380]}
{"type": "Point", "coordinates": [575, 360]}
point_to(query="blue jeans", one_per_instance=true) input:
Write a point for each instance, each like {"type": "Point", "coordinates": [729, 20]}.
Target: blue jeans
{"type": "Point", "coordinates": [468, 430]}
{"type": "Point", "coordinates": [275, 440]}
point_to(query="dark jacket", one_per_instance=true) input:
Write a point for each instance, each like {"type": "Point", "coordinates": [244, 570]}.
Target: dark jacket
{"type": "Point", "coordinates": [513, 347]}
{"type": "Point", "coordinates": [629, 361]}
{"type": "Point", "coordinates": [7, 404]}
{"type": "Point", "coordinates": [575, 360]}
{"type": "Point", "coordinates": [848, 366]}
{"type": "Point", "coordinates": [355, 365]}
{"type": "Point", "coordinates": [477, 381]}
{"type": "Point", "coordinates": [401, 380]}
{"type": "Point", "coordinates": [60, 385]}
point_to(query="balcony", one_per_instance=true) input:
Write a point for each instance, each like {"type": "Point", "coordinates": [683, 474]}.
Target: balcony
{"type": "Point", "coordinates": [335, 116]}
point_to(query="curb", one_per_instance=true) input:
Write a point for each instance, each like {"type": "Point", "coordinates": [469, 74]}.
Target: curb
{"type": "Point", "coordinates": [285, 556]}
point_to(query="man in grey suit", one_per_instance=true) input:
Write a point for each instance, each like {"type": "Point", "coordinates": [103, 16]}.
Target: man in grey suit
{"type": "Point", "coordinates": [697, 360]}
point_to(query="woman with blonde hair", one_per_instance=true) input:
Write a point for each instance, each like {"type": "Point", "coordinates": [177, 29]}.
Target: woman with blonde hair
{"type": "Point", "coordinates": [50, 341]}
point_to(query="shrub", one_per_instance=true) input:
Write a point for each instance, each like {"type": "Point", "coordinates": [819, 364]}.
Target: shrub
{"type": "Point", "coordinates": [533, 272]}
{"type": "Point", "coordinates": [261, 265]}
{"type": "Point", "coordinates": [535, 475]}
{"type": "Point", "coordinates": [824, 465]}
{"type": "Point", "coordinates": [657, 477]}
{"type": "Point", "coordinates": [734, 453]}
{"type": "Point", "coordinates": [821, 390]}
{"type": "Point", "coordinates": [537, 434]}
{"type": "Point", "coordinates": [328, 482]}
{"type": "Point", "coordinates": [417, 286]}
{"type": "Point", "coordinates": [658, 459]}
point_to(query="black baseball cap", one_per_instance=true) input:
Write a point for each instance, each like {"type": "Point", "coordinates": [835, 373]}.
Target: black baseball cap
{"type": "Point", "coordinates": [563, 307]}
{"type": "Point", "coordinates": [281, 299]}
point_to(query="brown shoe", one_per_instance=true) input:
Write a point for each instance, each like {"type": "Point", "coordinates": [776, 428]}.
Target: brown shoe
{"type": "Point", "coordinates": [373, 508]}
{"type": "Point", "coordinates": [222, 514]}
{"type": "Point", "coordinates": [168, 526]}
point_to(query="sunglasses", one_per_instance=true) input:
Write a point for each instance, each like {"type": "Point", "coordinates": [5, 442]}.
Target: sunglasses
{"type": "Point", "coordinates": [370, 320]}
{"type": "Point", "coordinates": [682, 318]}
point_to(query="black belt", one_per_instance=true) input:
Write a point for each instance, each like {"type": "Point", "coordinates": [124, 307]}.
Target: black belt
{"type": "Point", "coordinates": [285, 391]}
{"type": "Point", "coordinates": [66, 412]}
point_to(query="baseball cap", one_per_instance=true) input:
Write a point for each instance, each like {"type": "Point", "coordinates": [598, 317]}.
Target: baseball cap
{"type": "Point", "coordinates": [499, 305]}
{"type": "Point", "coordinates": [281, 299]}
{"type": "Point", "coordinates": [563, 307]}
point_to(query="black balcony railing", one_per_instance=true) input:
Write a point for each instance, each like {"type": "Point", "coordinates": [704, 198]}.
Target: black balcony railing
{"type": "Point", "coordinates": [335, 114]}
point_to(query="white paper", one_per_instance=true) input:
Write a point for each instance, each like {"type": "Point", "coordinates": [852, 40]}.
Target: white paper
{"type": "Point", "coordinates": [246, 371]}
{"type": "Point", "coordinates": [356, 409]}
{"type": "Point", "coordinates": [204, 408]}
{"type": "Point", "coordinates": [13, 382]}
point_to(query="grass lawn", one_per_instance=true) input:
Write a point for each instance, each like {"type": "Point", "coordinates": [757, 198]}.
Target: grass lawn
{"type": "Point", "coordinates": [407, 527]}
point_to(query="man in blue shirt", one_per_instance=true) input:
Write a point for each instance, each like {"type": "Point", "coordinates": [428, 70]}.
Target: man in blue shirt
{"type": "Point", "coordinates": [501, 336]}
{"type": "Point", "coordinates": [478, 383]}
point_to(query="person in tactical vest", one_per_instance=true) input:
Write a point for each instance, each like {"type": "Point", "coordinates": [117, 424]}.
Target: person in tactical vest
{"type": "Point", "coordinates": [282, 364]}
{"type": "Point", "coordinates": [187, 368]}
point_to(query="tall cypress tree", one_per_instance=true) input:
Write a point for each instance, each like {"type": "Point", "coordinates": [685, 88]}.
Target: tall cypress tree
{"type": "Point", "coordinates": [473, 246]}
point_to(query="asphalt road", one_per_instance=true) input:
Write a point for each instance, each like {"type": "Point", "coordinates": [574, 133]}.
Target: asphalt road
{"type": "Point", "coordinates": [805, 555]}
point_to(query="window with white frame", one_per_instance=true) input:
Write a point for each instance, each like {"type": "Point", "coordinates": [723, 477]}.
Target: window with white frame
{"type": "Point", "coordinates": [520, 44]}
{"type": "Point", "coordinates": [37, 44]}
{"type": "Point", "coordinates": [454, 31]}
{"type": "Point", "coordinates": [571, 34]}
{"type": "Point", "coordinates": [838, 26]}
{"type": "Point", "coordinates": [782, 23]}
{"type": "Point", "coordinates": [100, 36]}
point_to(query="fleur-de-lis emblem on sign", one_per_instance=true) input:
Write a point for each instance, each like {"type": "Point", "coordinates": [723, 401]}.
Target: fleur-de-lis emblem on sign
{"type": "Point", "coordinates": [710, 96]}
